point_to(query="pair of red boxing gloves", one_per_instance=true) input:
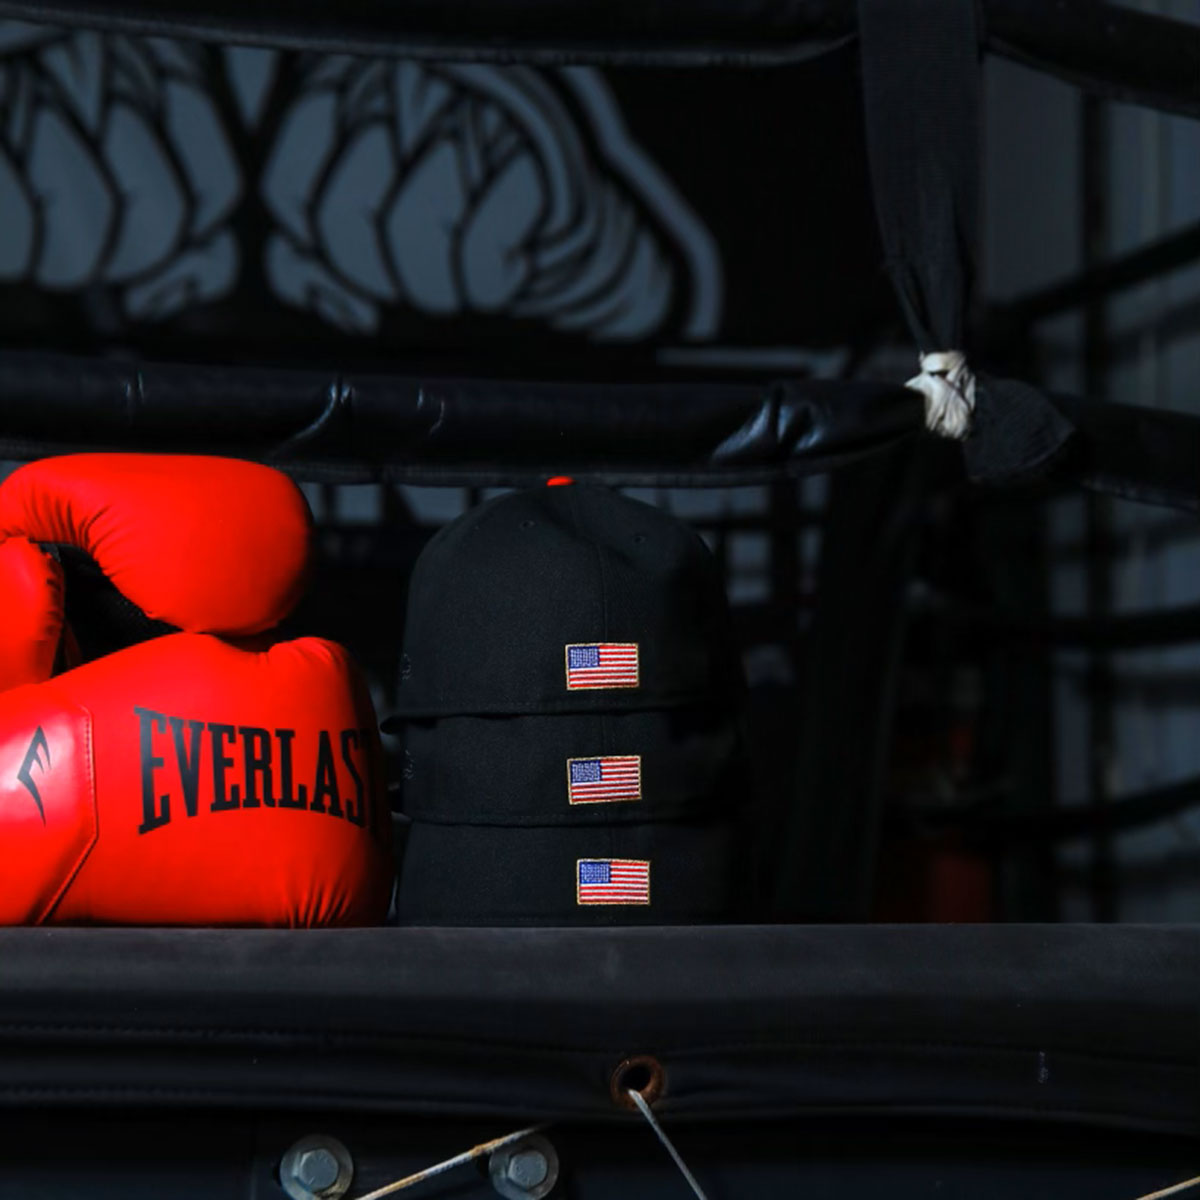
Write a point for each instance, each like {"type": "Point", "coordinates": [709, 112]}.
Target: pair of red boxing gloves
{"type": "Point", "coordinates": [206, 777]}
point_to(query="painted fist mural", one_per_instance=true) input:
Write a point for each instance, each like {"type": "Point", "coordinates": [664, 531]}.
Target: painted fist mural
{"type": "Point", "coordinates": [376, 188]}
{"type": "Point", "coordinates": [472, 189]}
{"type": "Point", "coordinates": [114, 169]}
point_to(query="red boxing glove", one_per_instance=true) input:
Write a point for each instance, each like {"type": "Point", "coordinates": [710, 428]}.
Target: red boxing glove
{"type": "Point", "coordinates": [185, 781]}
{"type": "Point", "coordinates": [31, 613]}
{"type": "Point", "coordinates": [211, 545]}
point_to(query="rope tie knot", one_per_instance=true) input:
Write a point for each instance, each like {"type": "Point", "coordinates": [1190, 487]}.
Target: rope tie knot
{"type": "Point", "coordinates": [948, 385]}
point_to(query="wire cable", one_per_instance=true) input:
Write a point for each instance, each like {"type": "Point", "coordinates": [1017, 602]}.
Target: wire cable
{"type": "Point", "coordinates": [644, 1109]}
{"type": "Point", "coordinates": [457, 1161]}
{"type": "Point", "coordinates": [1171, 1191]}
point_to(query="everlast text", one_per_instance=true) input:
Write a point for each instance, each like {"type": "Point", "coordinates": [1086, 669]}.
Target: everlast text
{"type": "Point", "coordinates": [243, 766]}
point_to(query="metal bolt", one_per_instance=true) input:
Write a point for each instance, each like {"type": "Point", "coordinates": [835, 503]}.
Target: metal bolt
{"type": "Point", "coordinates": [318, 1169]}
{"type": "Point", "coordinates": [525, 1170]}
{"type": "Point", "coordinates": [528, 1169]}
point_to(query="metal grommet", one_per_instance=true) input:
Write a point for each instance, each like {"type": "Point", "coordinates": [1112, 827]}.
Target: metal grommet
{"type": "Point", "coordinates": [641, 1073]}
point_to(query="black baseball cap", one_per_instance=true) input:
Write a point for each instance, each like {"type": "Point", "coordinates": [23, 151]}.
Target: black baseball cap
{"type": "Point", "coordinates": [658, 873]}
{"type": "Point", "coordinates": [565, 599]}
{"type": "Point", "coordinates": [573, 768]}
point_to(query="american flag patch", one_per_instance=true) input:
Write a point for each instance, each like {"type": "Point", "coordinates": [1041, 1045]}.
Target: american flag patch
{"type": "Point", "coordinates": [602, 780]}
{"type": "Point", "coordinates": [602, 665]}
{"type": "Point", "coordinates": [612, 881]}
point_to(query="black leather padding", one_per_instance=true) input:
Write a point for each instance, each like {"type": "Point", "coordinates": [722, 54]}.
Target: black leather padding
{"type": "Point", "coordinates": [1091, 1025]}
{"type": "Point", "coordinates": [1128, 55]}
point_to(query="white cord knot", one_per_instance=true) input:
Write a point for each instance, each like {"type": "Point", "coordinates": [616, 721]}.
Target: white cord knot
{"type": "Point", "coordinates": [948, 386]}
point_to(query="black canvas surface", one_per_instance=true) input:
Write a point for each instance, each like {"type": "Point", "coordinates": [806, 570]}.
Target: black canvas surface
{"type": "Point", "coordinates": [156, 1154]}
{"type": "Point", "coordinates": [1089, 1025]}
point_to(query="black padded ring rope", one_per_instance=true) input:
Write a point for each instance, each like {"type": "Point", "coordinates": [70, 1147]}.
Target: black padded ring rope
{"type": "Point", "coordinates": [1111, 50]}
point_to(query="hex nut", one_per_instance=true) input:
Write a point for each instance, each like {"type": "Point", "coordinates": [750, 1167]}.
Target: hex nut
{"type": "Point", "coordinates": [316, 1168]}
{"type": "Point", "coordinates": [526, 1170]}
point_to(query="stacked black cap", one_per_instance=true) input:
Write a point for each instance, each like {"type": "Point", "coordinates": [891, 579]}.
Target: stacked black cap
{"type": "Point", "coordinates": [569, 702]}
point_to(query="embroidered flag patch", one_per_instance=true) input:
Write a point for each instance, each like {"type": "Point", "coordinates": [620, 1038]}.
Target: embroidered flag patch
{"type": "Point", "coordinates": [602, 665]}
{"type": "Point", "coordinates": [603, 780]}
{"type": "Point", "coordinates": [612, 881]}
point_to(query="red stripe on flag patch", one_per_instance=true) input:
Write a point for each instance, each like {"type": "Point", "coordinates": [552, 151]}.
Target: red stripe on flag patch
{"type": "Point", "coordinates": [612, 881]}
{"type": "Point", "coordinates": [601, 665]}
{"type": "Point", "coordinates": [604, 780]}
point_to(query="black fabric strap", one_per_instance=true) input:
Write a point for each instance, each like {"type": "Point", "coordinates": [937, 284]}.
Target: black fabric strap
{"type": "Point", "coordinates": [920, 67]}
{"type": "Point", "coordinates": [921, 91]}
{"type": "Point", "coordinates": [1018, 435]}
{"type": "Point", "coordinates": [823, 858]}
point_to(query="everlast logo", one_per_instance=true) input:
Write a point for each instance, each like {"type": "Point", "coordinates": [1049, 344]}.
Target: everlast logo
{"type": "Point", "coordinates": [33, 758]}
{"type": "Point", "coordinates": [266, 778]}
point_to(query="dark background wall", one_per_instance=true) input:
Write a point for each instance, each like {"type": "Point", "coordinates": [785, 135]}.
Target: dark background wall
{"type": "Point", "coordinates": [1038, 189]}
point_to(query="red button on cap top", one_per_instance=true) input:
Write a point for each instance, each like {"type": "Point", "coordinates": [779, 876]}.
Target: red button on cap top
{"type": "Point", "coordinates": [559, 481]}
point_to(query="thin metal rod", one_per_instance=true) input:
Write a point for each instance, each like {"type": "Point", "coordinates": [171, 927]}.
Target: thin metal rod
{"type": "Point", "coordinates": [644, 1109]}
{"type": "Point", "coordinates": [1171, 1191]}
{"type": "Point", "coordinates": [457, 1161]}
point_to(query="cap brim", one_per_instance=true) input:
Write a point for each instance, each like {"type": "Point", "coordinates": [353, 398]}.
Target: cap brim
{"type": "Point", "coordinates": [494, 875]}
{"type": "Point", "coordinates": [586, 768]}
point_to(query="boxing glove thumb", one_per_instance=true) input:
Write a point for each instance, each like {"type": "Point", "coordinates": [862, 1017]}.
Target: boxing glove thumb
{"type": "Point", "coordinates": [31, 613]}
